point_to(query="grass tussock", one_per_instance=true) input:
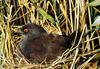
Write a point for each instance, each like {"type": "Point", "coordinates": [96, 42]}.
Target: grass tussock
{"type": "Point", "coordinates": [56, 17]}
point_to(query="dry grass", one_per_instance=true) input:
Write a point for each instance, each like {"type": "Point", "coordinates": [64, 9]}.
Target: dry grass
{"type": "Point", "coordinates": [55, 17]}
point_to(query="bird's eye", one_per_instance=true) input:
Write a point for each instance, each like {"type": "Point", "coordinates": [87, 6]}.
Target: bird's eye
{"type": "Point", "coordinates": [26, 30]}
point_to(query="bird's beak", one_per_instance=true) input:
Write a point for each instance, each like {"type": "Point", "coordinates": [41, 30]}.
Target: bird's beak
{"type": "Point", "coordinates": [18, 31]}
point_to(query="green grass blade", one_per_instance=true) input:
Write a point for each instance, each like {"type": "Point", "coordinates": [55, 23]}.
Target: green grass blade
{"type": "Point", "coordinates": [46, 15]}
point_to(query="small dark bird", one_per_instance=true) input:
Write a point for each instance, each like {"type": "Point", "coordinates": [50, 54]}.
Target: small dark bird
{"type": "Point", "coordinates": [37, 45]}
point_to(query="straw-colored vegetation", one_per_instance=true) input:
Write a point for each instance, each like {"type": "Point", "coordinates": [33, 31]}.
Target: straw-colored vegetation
{"type": "Point", "coordinates": [57, 17]}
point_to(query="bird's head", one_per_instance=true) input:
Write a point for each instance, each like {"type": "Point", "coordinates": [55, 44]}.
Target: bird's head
{"type": "Point", "coordinates": [30, 29]}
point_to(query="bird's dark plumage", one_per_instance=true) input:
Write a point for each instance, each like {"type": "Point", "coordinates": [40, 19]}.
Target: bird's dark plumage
{"type": "Point", "coordinates": [38, 45]}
